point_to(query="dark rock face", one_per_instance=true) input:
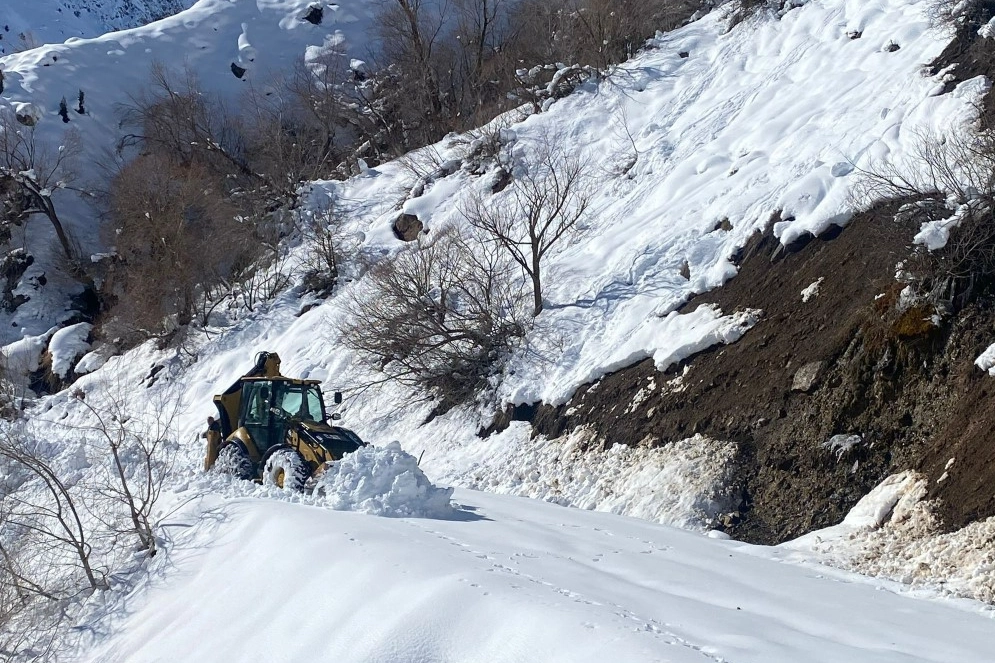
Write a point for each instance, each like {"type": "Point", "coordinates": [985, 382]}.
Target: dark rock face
{"type": "Point", "coordinates": [315, 14]}
{"type": "Point", "coordinates": [407, 227]}
{"type": "Point", "coordinates": [12, 268]}
{"type": "Point", "coordinates": [843, 366]}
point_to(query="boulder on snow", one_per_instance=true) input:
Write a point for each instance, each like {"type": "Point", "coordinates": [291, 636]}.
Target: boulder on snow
{"type": "Point", "coordinates": [315, 14]}
{"type": "Point", "coordinates": [407, 227]}
{"type": "Point", "coordinates": [27, 114]}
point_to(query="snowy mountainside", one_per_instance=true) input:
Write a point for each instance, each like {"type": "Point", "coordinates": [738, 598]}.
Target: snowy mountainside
{"type": "Point", "coordinates": [721, 140]}
{"type": "Point", "coordinates": [265, 38]}
{"type": "Point", "coordinates": [712, 132]}
{"type": "Point", "coordinates": [30, 23]}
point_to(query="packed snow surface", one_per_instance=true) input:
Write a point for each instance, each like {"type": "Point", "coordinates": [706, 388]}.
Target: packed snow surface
{"type": "Point", "coordinates": [513, 581]}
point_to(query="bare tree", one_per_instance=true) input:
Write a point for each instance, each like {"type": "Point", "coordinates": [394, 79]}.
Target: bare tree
{"type": "Point", "coordinates": [176, 234]}
{"type": "Point", "coordinates": [303, 127]}
{"type": "Point", "coordinates": [53, 517]}
{"type": "Point", "coordinates": [30, 174]}
{"type": "Point", "coordinates": [327, 241]}
{"type": "Point", "coordinates": [543, 206]}
{"type": "Point", "coordinates": [440, 317]}
{"type": "Point", "coordinates": [139, 462]}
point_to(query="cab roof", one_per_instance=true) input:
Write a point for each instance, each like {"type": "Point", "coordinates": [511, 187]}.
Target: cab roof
{"type": "Point", "coordinates": [280, 378]}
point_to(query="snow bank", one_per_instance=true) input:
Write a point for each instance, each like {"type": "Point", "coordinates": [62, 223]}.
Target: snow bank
{"type": "Point", "coordinates": [988, 30]}
{"type": "Point", "coordinates": [894, 533]}
{"type": "Point", "coordinates": [24, 356]}
{"type": "Point", "coordinates": [891, 499]}
{"type": "Point", "coordinates": [683, 484]}
{"type": "Point", "coordinates": [383, 481]}
{"type": "Point", "coordinates": [67, 345]}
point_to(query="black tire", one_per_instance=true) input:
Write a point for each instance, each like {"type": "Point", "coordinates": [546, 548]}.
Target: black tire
{"type": "Point", "coordinates": [232, 460]}
{"type": "Point", "coordinates": [286, 469]}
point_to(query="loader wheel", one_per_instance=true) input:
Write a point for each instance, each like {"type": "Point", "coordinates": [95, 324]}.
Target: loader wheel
{"type": "Point", "coordinates": [233, 461]}
{"type": "Point", "coordinates": [285, 469]}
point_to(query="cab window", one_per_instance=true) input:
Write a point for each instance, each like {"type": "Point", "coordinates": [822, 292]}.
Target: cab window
{"type": "Point", "coordinates": [300, 401]}
{"type": "Point", "coordinates": [257, 398]}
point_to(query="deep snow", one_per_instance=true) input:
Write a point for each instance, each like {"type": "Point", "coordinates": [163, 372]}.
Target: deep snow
{"type": "Point", "coordinates": [513, 581]}
{"type": "Point", "coordinates": [769, 116]}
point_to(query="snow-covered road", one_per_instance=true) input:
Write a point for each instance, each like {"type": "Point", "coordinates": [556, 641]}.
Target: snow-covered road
{"type": "Point", "coordinates": [512, 580]}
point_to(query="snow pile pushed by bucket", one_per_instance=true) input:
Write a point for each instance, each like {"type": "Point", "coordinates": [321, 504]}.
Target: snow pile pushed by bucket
{"type": "Point", "coordinates": [383, 481]}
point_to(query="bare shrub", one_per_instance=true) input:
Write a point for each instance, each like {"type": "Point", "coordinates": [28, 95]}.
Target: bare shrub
{"type": "Point", "coordinates": [542, 207]}
{"type": "Point", "coordinates": [598, 33]}
{"type": "Point", "coordinates": [178, 120]}
{"type": "Point", "coordinates": [453, 66]}
{"type": "Point", "coordinates": [304, 126]}
{"type": "Point", "coordinates": [30, 173]}
{"type": "Point", "coordinates": [264, 280]}
{"type": "Point", "coordinates": [74, 512]}
{"type": "Point", "coordinates": [326, 239]}
{"type": "Point", "coordinates": [52, 519]}
{"type": "Point", "coordinates": [441, 317]}
{"type": "Point", "coordinates": [206, 177]}
{"type": "Point", "coordinates": [952, 15]}
{"type": "Point", "coordinates": [176, 235]}
{"type": "Point", "coordinates": [948, 179]}
{"type": "Point", "coordinates": [138, 451]}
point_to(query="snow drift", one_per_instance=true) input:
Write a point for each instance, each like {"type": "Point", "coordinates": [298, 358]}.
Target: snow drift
{"type": "Point", "coordinates": [382, 481]}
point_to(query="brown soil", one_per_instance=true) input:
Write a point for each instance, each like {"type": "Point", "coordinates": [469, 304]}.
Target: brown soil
{"type": "Point", "coordinates": [909, 388]}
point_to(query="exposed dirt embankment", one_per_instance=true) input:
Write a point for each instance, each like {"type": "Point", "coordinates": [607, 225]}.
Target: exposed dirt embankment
{"type": "Point", "coordinates": [970, 54]}
{"type": "Point", "coordinates": [824, 397]}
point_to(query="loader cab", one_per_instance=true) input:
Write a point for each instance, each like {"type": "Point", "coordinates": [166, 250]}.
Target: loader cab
{"type": "Point", "coordinates": [270, 406]}
{"type": "Point", "coordinates": [255, 415]}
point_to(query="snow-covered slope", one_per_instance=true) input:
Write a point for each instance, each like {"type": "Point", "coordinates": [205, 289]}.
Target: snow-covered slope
{"type": "Point", "coordinates": [266, 38]}
{"type": "Point", "coordinates": [694, 146]}
{"type": "Point", "coordinates": [512, 580]}
{"type": "Point", "coordinates": [765, 117]}
{"type": "Point", "coordinates": [30, 23]}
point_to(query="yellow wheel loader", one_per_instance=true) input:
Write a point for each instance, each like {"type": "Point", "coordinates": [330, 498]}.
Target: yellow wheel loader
{"type": "Point", "coordinates": [274, 429]}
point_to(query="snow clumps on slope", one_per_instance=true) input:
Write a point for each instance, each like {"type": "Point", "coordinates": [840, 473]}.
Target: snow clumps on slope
{"type": "Point", "coordinates": [383, 481]}
{"type": "Point", "coordinates": [894, 533]}
{"type": "Point", "coordinates": [67, 345]}
{"type": "Point", "coordinates": [683, 484]}
{"type": "Point", "coordinates": [986, 361]}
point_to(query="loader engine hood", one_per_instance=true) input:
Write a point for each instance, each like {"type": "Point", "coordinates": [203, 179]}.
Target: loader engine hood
{"type": "Point", "coordinates": [336, 440]}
